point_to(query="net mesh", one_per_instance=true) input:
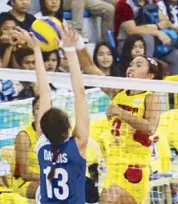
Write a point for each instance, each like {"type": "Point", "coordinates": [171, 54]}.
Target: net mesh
{"type": "Point", "coordinates": [122, 166]}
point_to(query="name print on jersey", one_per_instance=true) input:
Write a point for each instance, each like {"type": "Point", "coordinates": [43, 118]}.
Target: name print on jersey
{"type": "Point", "coordinates": [128, 108]}
{"type": "Point", "coordinates": [48, 156]}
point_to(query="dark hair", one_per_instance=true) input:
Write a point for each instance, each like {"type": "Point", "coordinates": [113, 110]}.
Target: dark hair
{"type": "Point", "coordinates": [4, 17]}
{"type": "Point", "coordinates": [93, 171]}
{"type": "Point", "coordinates": [55, 126]}
{"type": "Point", "coordinates": [126, 56]}
{"type": "Point", "coordinates": [45, 12]}
{"type": "Point", "coordinates": [113, 71]}
{"type": "Point", "coordinates": [157, 67]}
{"type": "Point", "coordinates": [27, 91]}
{"type": "Point", "coordinates": [46, 56]}
{"type": "Point", "coordinates": [34, 102]}
{"type": "Point", "coordinates": [21, 53]}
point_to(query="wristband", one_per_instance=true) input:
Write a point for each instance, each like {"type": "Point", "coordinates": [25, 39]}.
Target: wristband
{"type": "Point", "coordinates": [80, 44]}
{"type": "Point", "coordinates": [69, 49]}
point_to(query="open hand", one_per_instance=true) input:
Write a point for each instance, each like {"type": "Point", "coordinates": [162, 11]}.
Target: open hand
{"type": "Point", "coordinates": [30, 38]}
{"type": "Point", "coordinates": [69, 37]}
{"type": "Point", "coordinates": [165, 39]}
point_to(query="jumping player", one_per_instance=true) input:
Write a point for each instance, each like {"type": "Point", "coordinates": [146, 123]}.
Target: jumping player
{"type": "Point", "coordinates": [134, 116]}
{"type": "Point", "coordinates": [61, 158]}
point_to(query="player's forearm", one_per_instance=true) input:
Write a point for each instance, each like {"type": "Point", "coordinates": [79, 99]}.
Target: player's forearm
{"type": "Point", "coordinates": [143, 30]}
{"type": "Point", "coordinates": [139, 124]}
{"type": "Point", "coordinates": [81, 106]}
{"type": "Point", "coordinates": [44, 88]}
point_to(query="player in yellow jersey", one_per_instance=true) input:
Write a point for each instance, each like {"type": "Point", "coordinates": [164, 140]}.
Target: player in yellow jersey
{"type": "Point", "coordinates": [168, 128]}
{"type": "Point", "coordinates": [7, 196]}
{"type": "Point", "coordinates": [134, 117]}
{"type": "Point", "coordinates": [172, 98]}
{"type": "Point", "coordinates": [27, 173]}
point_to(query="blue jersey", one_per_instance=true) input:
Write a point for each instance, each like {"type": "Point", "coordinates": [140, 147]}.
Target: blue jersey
{"type": "Point", "coordinates": [68, 185]}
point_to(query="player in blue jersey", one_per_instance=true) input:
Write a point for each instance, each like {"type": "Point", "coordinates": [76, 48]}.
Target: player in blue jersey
{"type": "Point", "coordinates": [61, 158]}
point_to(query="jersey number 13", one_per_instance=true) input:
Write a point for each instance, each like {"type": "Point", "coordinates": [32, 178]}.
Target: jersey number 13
{"type": "Point", "coordinates": [62, 184]}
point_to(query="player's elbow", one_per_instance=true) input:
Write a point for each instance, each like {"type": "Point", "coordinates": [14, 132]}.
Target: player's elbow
{"type": "Point", "coordinates": [83, 141]}
{"type": "Point", "coordinates": [82, 134]}
{"type": "Point", "coordinates": [25, 176]}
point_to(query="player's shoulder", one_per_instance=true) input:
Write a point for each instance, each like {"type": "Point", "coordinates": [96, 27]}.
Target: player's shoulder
{"type": "Point", "coordinates": [43, 140]}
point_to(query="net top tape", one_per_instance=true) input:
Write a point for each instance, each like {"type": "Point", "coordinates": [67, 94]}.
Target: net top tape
{"type": "Point", "coordinates": [63, 80]}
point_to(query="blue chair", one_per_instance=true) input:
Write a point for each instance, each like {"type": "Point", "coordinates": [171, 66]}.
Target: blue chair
{"type": "Point", "coordinates": [68, 15]}
{"type": "Point", "coordinates": [112, 41]}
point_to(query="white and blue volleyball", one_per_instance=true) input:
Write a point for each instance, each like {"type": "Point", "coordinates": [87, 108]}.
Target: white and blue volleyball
{"type": "Point", "coordinates": [48, 31]}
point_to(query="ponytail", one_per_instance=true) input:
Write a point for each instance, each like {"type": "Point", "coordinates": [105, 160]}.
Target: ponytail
{"type": "Point", "coordinates": [55, 133]}
{"type": "Point", "coordinates": [56, 153]}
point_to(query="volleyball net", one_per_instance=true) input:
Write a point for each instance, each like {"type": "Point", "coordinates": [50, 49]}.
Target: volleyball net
{"type": "Point", "coordinates": [126, 151]}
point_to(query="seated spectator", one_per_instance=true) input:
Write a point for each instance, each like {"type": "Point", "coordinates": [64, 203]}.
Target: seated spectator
{"type": "Point", "coordinates": [125, 25]}
{"type": "Point", "coordinates": [51, 60]}
{"type": "Point", "coordinates": [127, 22]}
{"type": "Point", "coordinates": [26, 61]}
{"type": "Point", "coordinates": [25, 58]}
{"type": "Point", "coordinates": [7, 43]}
{"type": "Point", "coordinates": [19, 13]}
{"type": "Point", "coordinates": [97, 8]}
{"type": "Point", "coordinates": [105, 59]}
{"type": "Point", "coordinates": [134, 46]}
{"type": "Point", "coordinates": [91, 67]}
{"type": "Point", "coordinates": [27, 173]}
{"type": "Point", "coordinates": [51, 8]}
{"type": "Point", "coordinates": [55, 61]}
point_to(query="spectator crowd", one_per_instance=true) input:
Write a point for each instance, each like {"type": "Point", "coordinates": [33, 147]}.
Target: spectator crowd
{"type": "Point", "coordinates": [136, 28]}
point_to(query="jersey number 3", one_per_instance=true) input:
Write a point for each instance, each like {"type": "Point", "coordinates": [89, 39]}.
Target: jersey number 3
{"type": "Point", "coordinates": [62, 184]}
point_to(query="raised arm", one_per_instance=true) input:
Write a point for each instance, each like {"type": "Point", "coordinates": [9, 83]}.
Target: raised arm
{"type": "Point", "coordinates": [82, 121]}
{"type": "Point", "coordinates": [89, 66]}
{"type": "Point", "coordinates": [44, 89]}
{"type": "Point", "coordinates": [87, 63]}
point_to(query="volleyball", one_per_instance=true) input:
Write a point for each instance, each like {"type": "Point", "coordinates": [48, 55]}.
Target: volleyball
{"type": "Point", "coordinates": [48, 31]}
